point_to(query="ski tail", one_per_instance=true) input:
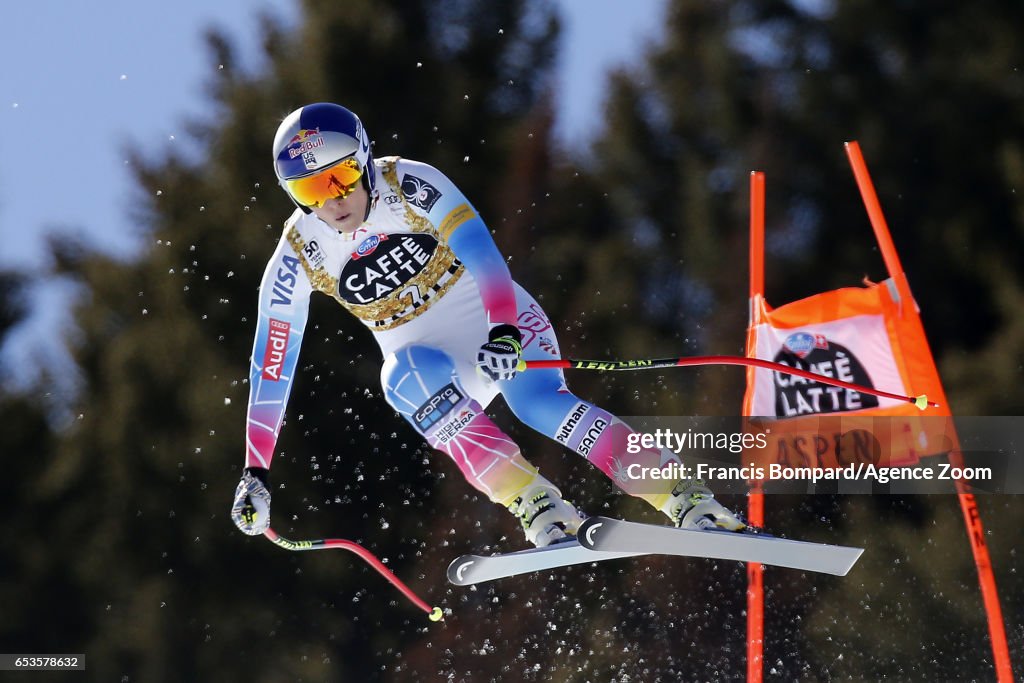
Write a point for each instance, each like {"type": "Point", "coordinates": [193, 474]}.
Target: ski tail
{"type": "Point", "coordinates": [471, 569]}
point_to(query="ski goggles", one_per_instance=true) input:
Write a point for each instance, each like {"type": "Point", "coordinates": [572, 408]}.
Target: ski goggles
{"type": "Point", "coordinates": [336, 182]}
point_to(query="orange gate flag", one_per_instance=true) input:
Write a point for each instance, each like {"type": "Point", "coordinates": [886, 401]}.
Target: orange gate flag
{"type": "Point", "coordinates": [867, 335]}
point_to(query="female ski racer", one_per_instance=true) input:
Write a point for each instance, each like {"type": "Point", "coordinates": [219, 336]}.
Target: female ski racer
{"type": "Point", "coordinates": [399, 246]}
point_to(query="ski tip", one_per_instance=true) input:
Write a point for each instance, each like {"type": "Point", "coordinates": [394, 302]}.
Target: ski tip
{"type": "Point", "coordinates": [852, 555]}
{"type": "Point", "coordinates": [853, 560]}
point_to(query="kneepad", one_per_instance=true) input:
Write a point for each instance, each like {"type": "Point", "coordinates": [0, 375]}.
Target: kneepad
{"type": "Point", "coordinates": [421, 384]}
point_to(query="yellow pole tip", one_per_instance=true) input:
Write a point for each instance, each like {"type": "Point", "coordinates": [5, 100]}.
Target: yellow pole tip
{"type": "Point", "coordinates": [921, 402]}
{"type": "Point", "coordinates": [521, 365]}
{"type": "Point", "coordinates": [436, 614]}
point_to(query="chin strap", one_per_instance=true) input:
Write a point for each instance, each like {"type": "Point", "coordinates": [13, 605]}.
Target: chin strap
{"type": "Point", "coordinates": [372, 192]}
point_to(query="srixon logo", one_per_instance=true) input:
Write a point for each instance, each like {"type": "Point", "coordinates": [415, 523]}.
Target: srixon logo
{"type": "Point", "coordinates": [276, 348]}
{"type": "Point", "coordinates": [814, 353]}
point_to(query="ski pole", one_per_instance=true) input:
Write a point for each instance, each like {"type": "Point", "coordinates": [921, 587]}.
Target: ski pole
{"type": "Point", "coordinates": [921, 401]}
{"type": "Point", "coordinates": [434, 614]}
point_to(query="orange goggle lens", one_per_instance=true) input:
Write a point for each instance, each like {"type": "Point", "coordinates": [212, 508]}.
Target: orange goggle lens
{"type": "Point", "coordinates": [336, 182]}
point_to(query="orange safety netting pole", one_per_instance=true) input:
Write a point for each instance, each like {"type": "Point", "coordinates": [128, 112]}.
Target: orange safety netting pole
{"type": "Point", "coordinates": [755, 503]}
{"type": "Point", "coordinates": [968, 505]}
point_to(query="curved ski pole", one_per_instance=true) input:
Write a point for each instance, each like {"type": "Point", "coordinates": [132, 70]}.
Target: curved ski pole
{"type": "Point", "coordinates": [921, 401]}
{"type": "Point", "coordinates": [433, 613]}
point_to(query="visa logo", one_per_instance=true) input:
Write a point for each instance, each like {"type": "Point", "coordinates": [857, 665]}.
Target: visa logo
{"type": "Point", "coordinates": [284, 284]}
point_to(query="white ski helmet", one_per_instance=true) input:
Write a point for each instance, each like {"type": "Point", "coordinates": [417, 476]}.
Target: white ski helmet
{"type": "Point", "coordinates": [320, 151]}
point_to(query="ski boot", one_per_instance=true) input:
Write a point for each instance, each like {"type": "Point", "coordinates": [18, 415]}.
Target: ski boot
{"type": "Point", "coordinates": [545, 517]}
{"type": "Point", "coordinates": [692, 505]}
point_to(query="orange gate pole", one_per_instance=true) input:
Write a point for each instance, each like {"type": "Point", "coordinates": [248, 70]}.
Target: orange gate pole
{"type": "Point", "coordinates": [755, 502]}
{"type": "Point", "coordinates": [968, 505]}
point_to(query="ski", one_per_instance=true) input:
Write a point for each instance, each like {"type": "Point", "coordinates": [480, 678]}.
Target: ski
{"type": "Point", "coordinates": [602, 538]}
{"type": "Point", "coordinates": [601, 534]}
{"type": "Point", "coordinates": [470, 569]}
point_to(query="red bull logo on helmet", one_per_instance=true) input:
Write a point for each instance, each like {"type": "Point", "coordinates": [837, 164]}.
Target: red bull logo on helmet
{"type": "Point", "coordinates": [306, 140]}
{"type": "Point", "coordinates": [802, 343]}
{"type": "Point", "coordinates": [302, 135]}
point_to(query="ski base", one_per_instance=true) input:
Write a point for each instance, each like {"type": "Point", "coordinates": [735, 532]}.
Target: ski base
{"type": "Point", "coordinates": [602, 534]}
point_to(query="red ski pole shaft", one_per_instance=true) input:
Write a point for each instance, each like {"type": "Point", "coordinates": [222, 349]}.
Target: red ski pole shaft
{"type": "Point", "coordinates": [434, 613]}
{"type": "Point", "coordinates": [921, 401]}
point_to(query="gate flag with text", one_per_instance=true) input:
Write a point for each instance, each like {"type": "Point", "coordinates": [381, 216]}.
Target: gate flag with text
{"type": "Point", "coordinates": [868, 335]}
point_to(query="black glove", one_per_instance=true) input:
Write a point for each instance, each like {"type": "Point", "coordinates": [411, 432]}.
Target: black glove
{"type": "Point", "coordinates": [501, 356]}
